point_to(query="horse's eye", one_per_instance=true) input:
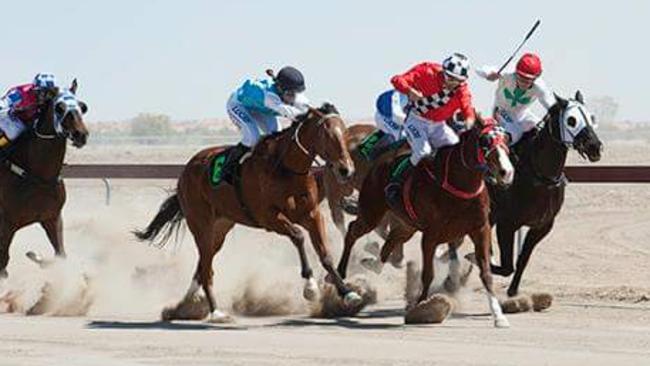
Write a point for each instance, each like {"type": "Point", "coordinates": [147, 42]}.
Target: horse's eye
{"type": "Point", "coordinates": [571, 121]}
{"type": "Point", "coordinates": [59, 108]}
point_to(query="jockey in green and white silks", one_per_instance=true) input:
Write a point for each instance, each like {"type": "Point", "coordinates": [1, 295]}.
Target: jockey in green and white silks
{"type": "Point", "coordinates": [517, 93]}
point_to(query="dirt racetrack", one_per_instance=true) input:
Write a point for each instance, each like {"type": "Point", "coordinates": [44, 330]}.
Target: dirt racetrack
{"type": "Point", "coordinates": [110, 292]}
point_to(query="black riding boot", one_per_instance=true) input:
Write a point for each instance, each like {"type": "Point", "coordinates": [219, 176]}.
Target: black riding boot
{"type": "Point", "coordinates": [394, 187]}
{"type": "Point", "coordinates": [231, 167]}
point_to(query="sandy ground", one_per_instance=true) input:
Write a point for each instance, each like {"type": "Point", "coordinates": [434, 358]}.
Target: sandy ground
{"type": "Point", "coordinates": [595, 263]}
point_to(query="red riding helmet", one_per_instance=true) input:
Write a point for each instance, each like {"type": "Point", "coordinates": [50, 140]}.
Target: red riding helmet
{"type": "Point", "coordinates": [529, 66]}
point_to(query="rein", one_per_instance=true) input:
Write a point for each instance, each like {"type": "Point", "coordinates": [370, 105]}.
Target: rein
{"type": "Point", "coordinates": [447, 185]}
{"type": "Point", "coordinates": [539, 178]}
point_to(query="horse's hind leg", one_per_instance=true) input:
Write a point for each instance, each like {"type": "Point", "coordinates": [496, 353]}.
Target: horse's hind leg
{"type": "Point", "coordinates": [209, 239]}
{"type": "Point", "coordinates": [453, 281]}
{"type": "Point", "coordinates": [481, 239]}
{"type": "Point", "coordinates": [428, 247]}
{"type": "Point", "coordinates": [534, 236]}
{"type": "Point", "coordinates": [54, 231]}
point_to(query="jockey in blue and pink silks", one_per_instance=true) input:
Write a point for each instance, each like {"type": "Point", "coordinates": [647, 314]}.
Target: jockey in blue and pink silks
{"type": "Point", "coordinates": [21, 105]}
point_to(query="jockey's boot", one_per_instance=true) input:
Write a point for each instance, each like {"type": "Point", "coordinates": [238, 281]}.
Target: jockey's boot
{"type": "Point", "coordinates": [393, 189]}
{"type": "Point", "coordinates": [231, 167]}
{"type": "Point", "coordinates": [4, 144]}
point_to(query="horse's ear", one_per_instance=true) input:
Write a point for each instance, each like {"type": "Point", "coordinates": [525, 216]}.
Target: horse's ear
{"type": "Point", "coordinates": [270, 73]}
{"type": "Point", "coordinates": [579, 97]}
{"type": "Point", "coordinates": [73, 86]}
{"type": "Point", "coordinates": [561, 101]}
{"type": "Point", "coordinates": [84, 107]}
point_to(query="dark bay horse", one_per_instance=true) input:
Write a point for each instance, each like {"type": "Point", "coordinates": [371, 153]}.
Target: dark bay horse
{"type": "Point", "coordinates": [537, 194]}
{"type": "Point", "coordinates": [278, 193]}
{"type": "Point", "coordinates": [31, 188]}
{"type": "Point", "coordinates": [445, 198]}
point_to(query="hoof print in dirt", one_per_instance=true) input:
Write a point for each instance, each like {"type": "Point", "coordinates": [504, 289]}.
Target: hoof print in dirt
{"type": "Point", "coordinates": [433, 310]}
{"type": "Point", "coordinates": [331, 305]}
{"type": "Point", "coordinates": [196, 308]}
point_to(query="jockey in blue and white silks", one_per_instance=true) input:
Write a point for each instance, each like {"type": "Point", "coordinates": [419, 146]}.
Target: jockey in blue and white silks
{"type": "Point", "coordinates": [256, 105]}
{"type": "Point", "coordinates": [390, 114]}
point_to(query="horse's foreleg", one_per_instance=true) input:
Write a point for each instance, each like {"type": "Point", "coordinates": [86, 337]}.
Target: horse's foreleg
{"type": "Point", "coordinates": [54, 231]}
{"type": "Point", "coordinates": [428, 246]}
{"type": "Point", "coordinates": [316, 228]}
{"type": "Point", "coordinates": [284, 226]}
{"type": "Point", "coordinates": [505, 240]}
{"type": "Point", "coordinates": [481, 239]}
{"type": "Point", "coordinates": [6, 235]}
{"type": "Point", "coordinates": [397, 236]}
{"type": "Point", "coordinates": [534, 236]}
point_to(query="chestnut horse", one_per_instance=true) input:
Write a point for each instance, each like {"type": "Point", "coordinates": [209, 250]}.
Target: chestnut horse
{"type": "Point", "coordinates": [31, 188]}
{"type": "Point", "coordinates": [537, 193]}
{"type": "Point", "coordinates": [278, 193]}
{"type": "Point", "coordinates": [445, 198]}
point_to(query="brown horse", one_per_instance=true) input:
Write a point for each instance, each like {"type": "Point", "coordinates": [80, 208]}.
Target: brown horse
{"type": "Point", "coordinates": [444, 198]}
{"type": "Point", "coordinates": [278, 193]}
{"type": "Point", "coordinates": [338, 194]}
{"type": "Point", "coordinates": [31, 189]}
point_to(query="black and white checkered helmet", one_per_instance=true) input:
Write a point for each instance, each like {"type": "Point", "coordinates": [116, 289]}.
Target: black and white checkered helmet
{"type": "Point", "coordinates": [456, 66]}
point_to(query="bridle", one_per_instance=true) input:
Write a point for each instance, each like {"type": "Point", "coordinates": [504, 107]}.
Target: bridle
{"type": "Point", "coordinates": [295, 138]}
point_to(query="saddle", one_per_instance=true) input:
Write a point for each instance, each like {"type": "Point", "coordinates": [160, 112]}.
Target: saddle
{"type": "Point", "coordinates": [376, 144]}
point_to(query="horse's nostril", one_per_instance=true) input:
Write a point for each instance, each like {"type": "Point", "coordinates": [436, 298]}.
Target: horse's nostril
{"type": "Point", "coordinates": [503, 172]}
{"type": "Point", "coordinates": [345, 172]}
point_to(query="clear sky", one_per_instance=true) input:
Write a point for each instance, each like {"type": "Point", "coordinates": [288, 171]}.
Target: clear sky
{"type": "Point", "coordinates": [184, 58]}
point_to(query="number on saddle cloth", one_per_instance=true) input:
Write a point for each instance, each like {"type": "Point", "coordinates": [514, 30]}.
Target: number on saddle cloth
{"type": "Point", "coordinates": [217, 164]}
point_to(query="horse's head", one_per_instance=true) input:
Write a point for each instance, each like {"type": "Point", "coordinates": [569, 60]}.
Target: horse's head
{"type": "Point", "coordinates": [573, 125]}
{"type": "Point", "coordinates": [493, 150]}
{"type": "Point", "coordinates": [63, 118]}
{"type": "Point", "coordinates": [326, 129]}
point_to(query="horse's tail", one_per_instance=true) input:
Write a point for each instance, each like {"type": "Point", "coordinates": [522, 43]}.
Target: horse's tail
{"type": "Point", "coordinates": [168, 221]}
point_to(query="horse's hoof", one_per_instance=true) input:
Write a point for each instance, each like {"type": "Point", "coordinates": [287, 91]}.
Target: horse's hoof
{"type": "Point", "coordinates": [310, 291]}
{"type": "Point", "coordinates": [512, 292]}
{"type": "Point", "coordinates": [372, 264]}
{"type": "Point", "coordinates": [4, 274]}
{"type": "Point", "coordinates": [352, 299]}
{"type": "Point", "coordinates": [372, 248]}
{"type": "Point", "coordinates": [219, 317]}
{"type": "Point", "coordinates": [501, 322]}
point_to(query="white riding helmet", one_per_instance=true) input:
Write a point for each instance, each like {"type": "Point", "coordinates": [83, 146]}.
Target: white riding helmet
{"type": "Point", "coordinates": [456, 66]}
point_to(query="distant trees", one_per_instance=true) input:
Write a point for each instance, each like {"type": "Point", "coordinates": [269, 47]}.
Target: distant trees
{"type": "Point", "coordinates": [150, 124]}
